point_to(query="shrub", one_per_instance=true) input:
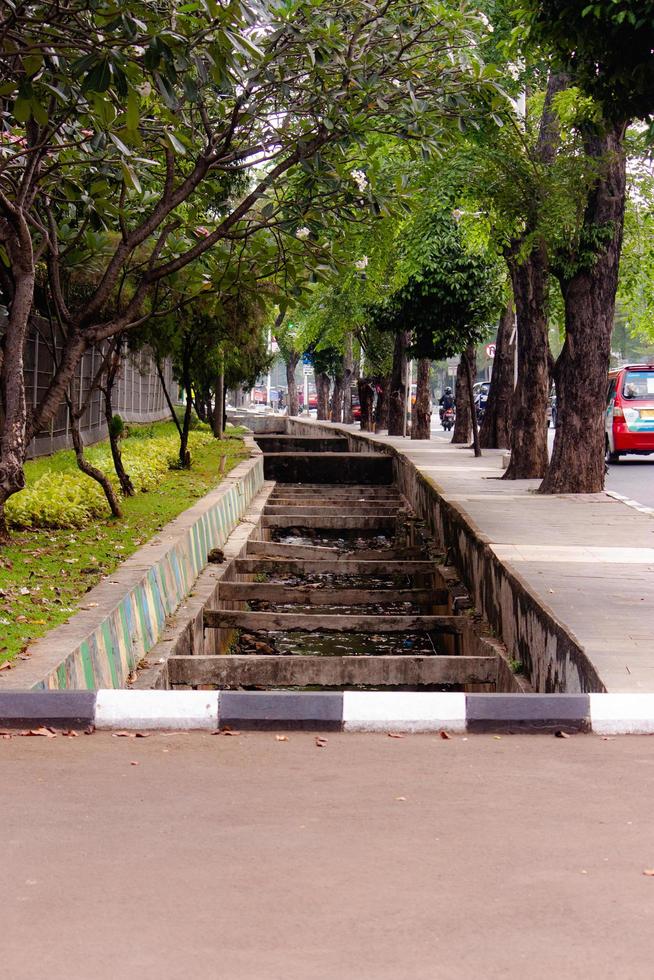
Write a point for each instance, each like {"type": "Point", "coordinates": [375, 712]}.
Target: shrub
{"type": "Point", "coordinates": [57, 500]}
{"type": "Point", "coordinates": [71, 499]}
{"type": "Point", "coordinates": [117, 427]}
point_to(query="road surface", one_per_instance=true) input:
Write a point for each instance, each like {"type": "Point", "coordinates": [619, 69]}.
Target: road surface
{"type": "Point", "coordinates": [369, 858]}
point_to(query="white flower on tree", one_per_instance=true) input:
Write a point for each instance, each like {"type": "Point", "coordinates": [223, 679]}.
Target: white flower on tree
{"type": "Point", "coordinates": [361, 264]}
{"type": "Point", "coordinates": [360, 179]}
{"type": "Point", "coordinates": [302, 233]}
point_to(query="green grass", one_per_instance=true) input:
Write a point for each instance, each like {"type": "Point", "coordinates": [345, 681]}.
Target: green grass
{"type": "Point", "coordinates": [45, 573]}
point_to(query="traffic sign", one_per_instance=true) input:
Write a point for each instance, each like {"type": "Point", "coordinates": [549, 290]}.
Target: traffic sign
{"type": "Point", "coordinates": [490, 350]}
{"type": "Point", "coordinates": [306, 358]}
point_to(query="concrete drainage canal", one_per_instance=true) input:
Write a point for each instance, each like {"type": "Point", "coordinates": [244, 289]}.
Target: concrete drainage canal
{"type": "Point", "coordinates": [336, 587]}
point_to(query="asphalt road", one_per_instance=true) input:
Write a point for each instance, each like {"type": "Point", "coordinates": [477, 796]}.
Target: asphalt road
{"type": "Point", "coordinates": [633, 477]}
{"type": "Point", "coordinates": [369, 858]}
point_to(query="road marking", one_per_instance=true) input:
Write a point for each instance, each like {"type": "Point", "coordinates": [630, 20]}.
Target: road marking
{"type": "Point", "coordinates": [641, 508]}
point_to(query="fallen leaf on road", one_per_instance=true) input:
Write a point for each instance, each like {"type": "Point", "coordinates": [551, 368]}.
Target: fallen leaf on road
{"type": "Point", "coordinates": [135, 763]}
{"type": "Point", "coordinates": [395, 735]}
{"type": "Point", "coordinates": [228, 731]}
{"type": "Point", "coordinates": [445, 735]}
{"type": "Point", "coordinates": [70, 733]}
{"type": "Point", "coordinates": [6, 665]}
{"type": "Point", "coordinates": [47, 732]}
{"type": "Point", "coordinates": [497, 736]}
{"type": "Point", "coordinates": [649, 872]}
{"type": "Point", "coordinates": [561, 735]}
{"type": "Point", "coordinates": [401, 799]}
{"type": "Point", "coordinates": [320, 741]}
{"type": "Point", "coordinates": [130, 734]}
{"type": "Point", "coordinates": [281, 738]}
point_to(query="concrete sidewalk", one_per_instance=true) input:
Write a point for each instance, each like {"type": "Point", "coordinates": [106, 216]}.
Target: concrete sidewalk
{"type": "Point", "coordinates": [588, 558]}
{"type": "Point", "coordinates": [368, 858]}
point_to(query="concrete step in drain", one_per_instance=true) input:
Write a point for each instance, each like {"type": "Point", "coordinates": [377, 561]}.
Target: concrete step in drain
{"type": "Point", "coordinates": [344, 591]}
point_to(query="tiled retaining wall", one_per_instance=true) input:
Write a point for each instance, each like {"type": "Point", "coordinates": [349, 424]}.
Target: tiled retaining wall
{"type": "Point", "coordinates": [124, 616]}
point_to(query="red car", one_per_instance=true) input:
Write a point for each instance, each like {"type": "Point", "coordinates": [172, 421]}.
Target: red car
{"type": "Point", "coordinates": [629, 422]}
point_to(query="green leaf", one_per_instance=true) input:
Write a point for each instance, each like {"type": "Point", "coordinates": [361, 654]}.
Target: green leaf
{"type": "Point", "coordinates": [32, 64]}
{"type": "Point", "coordinates": [39, 112]}
{"type": "Point", "coordinates": [122, 148]}
{"type": "Point", "coordinates": [132, 114]}
{"type": "Point", "coordinates": [130, 177]}
{"type": "Point", "coordinates": [174, 143]}
{"type": "Point", "coordinates": [166, 90]}
{"type": "Point", "coordinates": [99, 78]}
{"type": "Point", "coordinates": [22, 109]}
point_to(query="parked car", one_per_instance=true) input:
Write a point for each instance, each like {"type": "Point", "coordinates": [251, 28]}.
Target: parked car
{"type": "Point", "coordinates": [356, 404]}
{"type": "Point", "coordinates": [313, 398]}
{"type": "Point", "coordinates": [629, 419]}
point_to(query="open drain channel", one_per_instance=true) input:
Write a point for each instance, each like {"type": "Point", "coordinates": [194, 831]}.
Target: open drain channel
{"type": "Point", "coordinates": [343, 591]}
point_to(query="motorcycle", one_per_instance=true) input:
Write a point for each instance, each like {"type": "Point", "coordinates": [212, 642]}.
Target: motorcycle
{"type": "Point", "coordinates": [447, 419]}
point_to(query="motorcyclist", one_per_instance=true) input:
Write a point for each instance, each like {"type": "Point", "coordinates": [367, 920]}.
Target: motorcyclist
{"type": "Point", "coordinates": [445, 401]}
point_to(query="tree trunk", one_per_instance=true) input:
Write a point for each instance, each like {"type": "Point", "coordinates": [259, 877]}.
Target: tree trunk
{"type": "Point", "coordinates": [421, 415]}
{"type": "Point", "coordinates": [323, 384]}
{"type": "Point", "coordinates": [495, 431]}
{"type": "Point", "coordinates": [184, 454]}
{"type": "Point", "coordinates": [171, 407]}
{"type": "Point", "coordinates": [218, 420]}
{"type": "Point", "coordinates": [397, 394]}
{"type": "Point", "coordinates": [113, 367]}
{"type": "Point", "coordinates": [86, 467]}
{"type": "Point", "coordinates": [13, 438]}
{"type": "Point", "coordinates": [469, 360]}
{"type": "Point", "coordinates": [292, 360]}
{"type": "Point", "coordinates": [336, 409]}
{"type": "Point", "coordinates": [200, 405]}
{"type": "Point", "coordinates": [348, 372]}
{"type": "Point", "coordinates": [577, 464]}
{"type": "Point", "coordinates": [381, 408]}
{"type": "Point", "coordinates": [463, 420]}
{"type": "Point", "coordinates": [529, 278]}
{"type": "Point", "coordinates": [366, 401]}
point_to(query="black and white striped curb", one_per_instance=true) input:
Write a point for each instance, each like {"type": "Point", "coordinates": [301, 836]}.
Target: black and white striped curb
{"type": "Point", "coordinates": [359, 711]}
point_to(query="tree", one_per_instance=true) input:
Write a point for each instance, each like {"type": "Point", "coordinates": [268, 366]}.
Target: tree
{"type": "Point", "coordinates": [115, 122]}
{"type": "Point", "coordinates": [464, 401]}
{"type": "Point", "coordinates": [447, 301]}
{"type": "Point", "coordinates": [605, 47]}
{"type": "Point", "coordinates": [495, 429]}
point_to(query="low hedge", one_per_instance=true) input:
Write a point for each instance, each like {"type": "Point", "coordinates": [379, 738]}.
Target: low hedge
{"type": "Point", "coordinates": [68, 498]}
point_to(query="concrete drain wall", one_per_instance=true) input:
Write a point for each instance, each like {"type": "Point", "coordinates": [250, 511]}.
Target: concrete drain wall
{"type": "Point", "coordinates": [330, 586]}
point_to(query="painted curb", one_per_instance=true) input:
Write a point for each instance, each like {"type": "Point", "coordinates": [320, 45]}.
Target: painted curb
{"type": "Point", "coordinates": [156, 710]}
{"type": "Point", "coordinates": [349, 711]}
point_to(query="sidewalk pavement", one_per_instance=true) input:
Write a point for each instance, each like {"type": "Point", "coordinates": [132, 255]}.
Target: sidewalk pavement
{"type": "Point", "coordinates": [588, 557]}
{"type": "Point", "coordinates": [363, 858]}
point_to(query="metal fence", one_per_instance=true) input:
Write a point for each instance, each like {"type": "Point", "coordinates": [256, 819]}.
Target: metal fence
{"type": "Point", "coordinates": [138, 395]}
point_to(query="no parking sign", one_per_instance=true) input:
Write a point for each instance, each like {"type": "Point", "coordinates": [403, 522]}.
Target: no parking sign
{"type": "Point", "coordinates": [490, 350]}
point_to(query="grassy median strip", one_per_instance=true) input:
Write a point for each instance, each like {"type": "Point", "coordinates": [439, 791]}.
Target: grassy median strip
{"type": "Point", "coordinates": [46, 572]}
